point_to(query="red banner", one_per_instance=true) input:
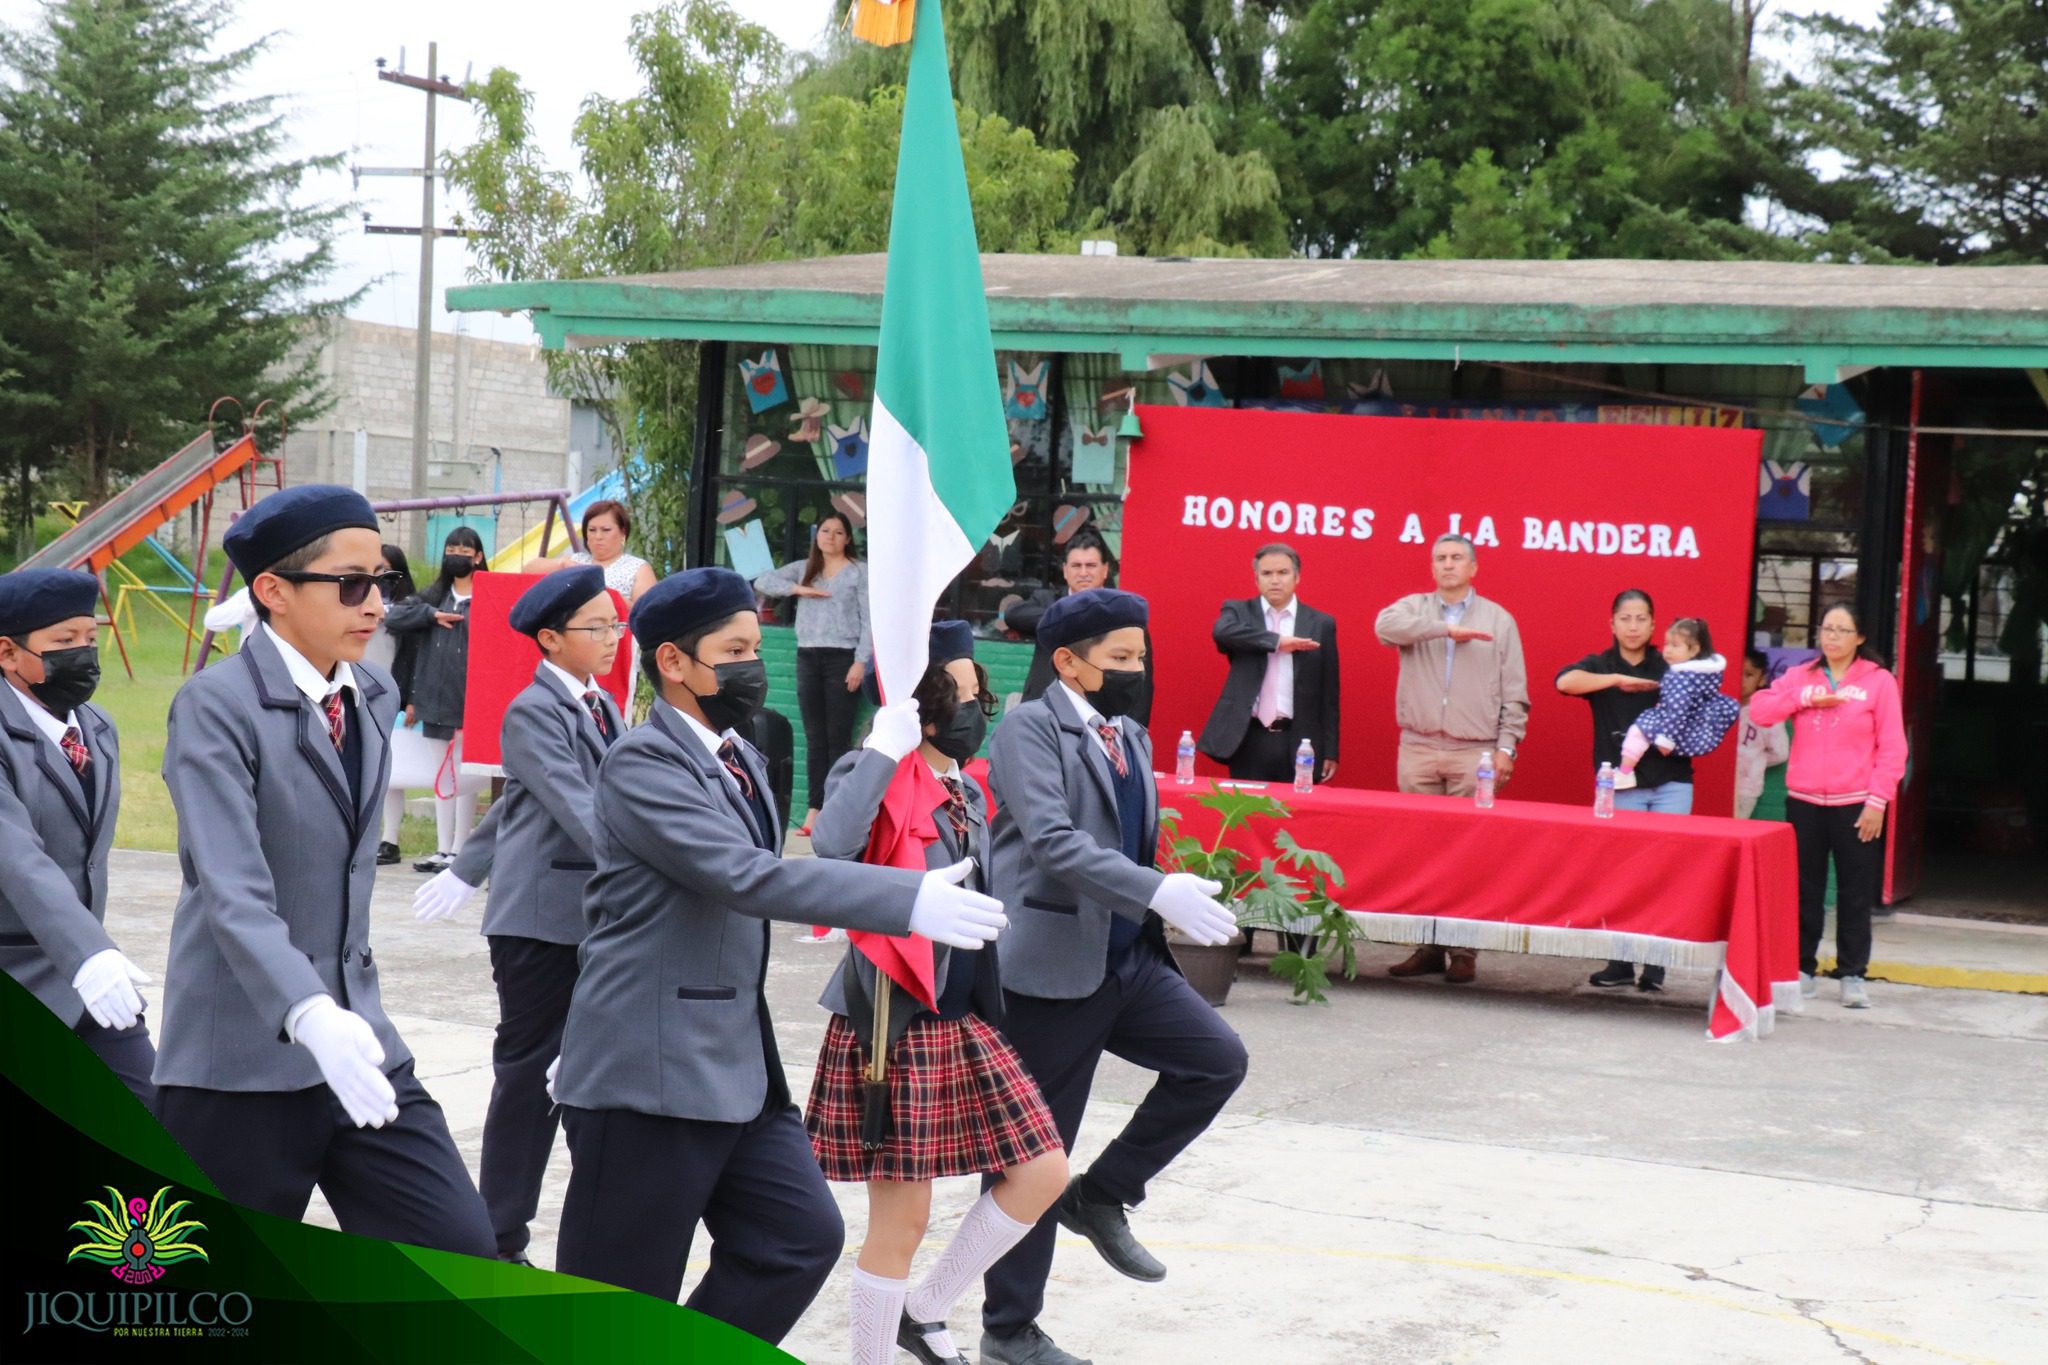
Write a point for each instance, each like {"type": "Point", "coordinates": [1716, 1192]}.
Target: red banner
{"type": "Point", "coordinates": [1563, 516]}
{"type": "Point", "coordinates": [501, 662]}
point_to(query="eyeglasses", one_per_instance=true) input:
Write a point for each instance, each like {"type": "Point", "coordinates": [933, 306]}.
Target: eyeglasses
{"type": "Point", "coordinates": [351, 588]}
{"type": "Point", "coordinates": [616, 629]}
{"type": "Point", "coordinates": [1838, 630]}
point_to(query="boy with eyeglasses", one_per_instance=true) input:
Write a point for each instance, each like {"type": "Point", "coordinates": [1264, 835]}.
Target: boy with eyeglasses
{"type": "Point", "coordinates": [278, 1069]}
{"type": "Point", "coordinates": [553, 737]}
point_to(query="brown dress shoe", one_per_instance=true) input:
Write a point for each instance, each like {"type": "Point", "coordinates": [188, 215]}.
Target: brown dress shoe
{"type": "Point", "coordinates": [1421, 962]}
{"type": "Point", "coordinates": [1464, 967]}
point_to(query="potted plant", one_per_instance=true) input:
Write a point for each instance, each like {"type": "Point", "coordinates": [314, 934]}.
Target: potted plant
{"type": "Point", "coordinates": [1290, 895]}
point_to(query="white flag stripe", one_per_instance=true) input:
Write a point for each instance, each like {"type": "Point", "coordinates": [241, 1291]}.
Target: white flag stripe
{"type": "Point", "coordinates": [915, 547]}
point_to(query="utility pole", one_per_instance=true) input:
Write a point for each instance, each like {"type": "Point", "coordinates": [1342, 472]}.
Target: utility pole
{"type": "Point", "coordinates": [435, 88]}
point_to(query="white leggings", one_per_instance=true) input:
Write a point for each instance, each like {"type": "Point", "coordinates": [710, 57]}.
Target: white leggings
{"type": "Point", "coordinates": [453, 815]}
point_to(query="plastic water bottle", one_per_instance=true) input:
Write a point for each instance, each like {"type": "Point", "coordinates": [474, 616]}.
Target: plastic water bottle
{"type": "Point", "coordinates": [1305, 767]}
{"type": "Point", "coordinates": [1603, 792]}
{"type": "Point", "coordinates": [1482, 791]}
{"type": "Point", "coordinates": [1184, 760]}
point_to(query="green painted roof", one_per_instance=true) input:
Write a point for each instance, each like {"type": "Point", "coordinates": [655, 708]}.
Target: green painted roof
{"type": "Point", "coordinates": [1823, 318]}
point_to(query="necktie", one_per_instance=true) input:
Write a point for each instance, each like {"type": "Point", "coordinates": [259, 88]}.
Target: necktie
{"type": "Point", "coordinates": [604, 727]}
{"type": "Point", "coordinates": [729, 755]}
{"type": "Point", "coordinates": [336, 725]}
{"type": "Point", "coordinates": [73, 745]}
{"type": "Point", "coordinates": [1113, 742]}
{"type": "Point", "coordinates": [1270, 704]}
{"type": "Point", "coordinates": [956, 810]}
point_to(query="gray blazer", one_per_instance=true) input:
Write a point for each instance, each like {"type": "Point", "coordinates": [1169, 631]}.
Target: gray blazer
{"type": "Point", "coordinates": [277, 863]}
{"type": "Point", "coordinates": [551, 751]}
{"type": "Point", "coordinates": [53, 897]}
{"type": "Point", "coordinates": [1059, 864]}
{"type": "Point", "coordinates": [668, 1013]}
{"type": "Point", "coordinates": [853, 794]}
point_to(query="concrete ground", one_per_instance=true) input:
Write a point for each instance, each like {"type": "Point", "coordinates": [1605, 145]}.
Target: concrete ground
{"type": "Point", "coordinates": [1523, 1170]}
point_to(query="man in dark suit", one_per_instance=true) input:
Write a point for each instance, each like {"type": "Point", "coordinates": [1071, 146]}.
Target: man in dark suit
{"type": "Point", "coordinates": [1085, 563]}
{"type": "Point", "coordinates": [1282, 688]}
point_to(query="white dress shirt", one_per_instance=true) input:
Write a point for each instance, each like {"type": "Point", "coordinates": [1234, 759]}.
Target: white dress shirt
{"type": "Point", "coordinates": [52, 727]}
{"type": "Point", "coordinates": [1276, 691]}
{"type": "Point", "coordinates": [576, 687]}
{"type": "Point", "coordinates": [307, 678]}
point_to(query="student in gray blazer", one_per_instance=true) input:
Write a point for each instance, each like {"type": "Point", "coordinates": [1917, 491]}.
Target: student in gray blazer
{"type": "Point", "coordinates": [1085, 964]}
{"type": "Point", "coordinates": [279, 1070]}
{"type": "Point", "coordinates": [956, 1099]}
{"type": "Point", "coordinates": [671, 1089]}
{"type": "Point", "coordinates": [60, 794]}
{"type": "Point", "coordinates": [552, 739]}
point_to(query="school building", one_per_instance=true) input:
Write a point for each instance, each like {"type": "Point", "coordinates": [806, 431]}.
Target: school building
{"type": "Point", "coordinates": [1904, 413]}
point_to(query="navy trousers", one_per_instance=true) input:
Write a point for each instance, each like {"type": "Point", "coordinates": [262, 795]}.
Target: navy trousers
{"type": "Point", "coordinates": [640, 1183]}
{"type": "Point", "coordinates": [535, 980]}
{"type": "Point", "coordinates": [267, 1149]}
{"type": "Point", "coordinates": [127, 1052]}
{"type": "Point", "coordinates": [1146, 1013]}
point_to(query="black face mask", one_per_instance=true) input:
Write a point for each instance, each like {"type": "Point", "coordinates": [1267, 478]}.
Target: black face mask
{"type": "Point", "coordinates": [1118, 691]}
{"type": "Point", "coordinates": [960, 737]}
{"type": "Point", "coordinates": [69, 678]}
{"type": "Point", "coordinates": [457, 566]}
{"type": "Point", "coordinates": [742, 688]}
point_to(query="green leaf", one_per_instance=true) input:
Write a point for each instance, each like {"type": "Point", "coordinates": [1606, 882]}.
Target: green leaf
{"type": "Point", "coordinates": [1308, 859]}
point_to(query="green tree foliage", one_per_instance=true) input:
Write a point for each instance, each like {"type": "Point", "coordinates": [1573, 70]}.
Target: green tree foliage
{"type": "Point", "coordinates": [155, 251]}
{"type": "Point", "coordinates": [714, 161]}
{"type": "Point", "coordinates": [1938, 116]}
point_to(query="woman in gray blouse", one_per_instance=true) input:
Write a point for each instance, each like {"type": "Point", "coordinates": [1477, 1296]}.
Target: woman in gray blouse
{"type": "Point", "coordinates": [833, 645]}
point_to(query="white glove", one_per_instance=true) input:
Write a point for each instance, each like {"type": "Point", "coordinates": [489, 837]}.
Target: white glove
{"type": "Point", "coordinates": [553, 1067]}
{"type": "Point", "coordinates": [1189, 904]}
{"type": "Point", "coordinates": [443, 894]}
{"type": "Point", "coordinates": [896, 730]}
{"type": "Point", "coordinates": [106, 981]}
{"type": "Point", "coordinates": [351, 1060]}
{"type": "Point", "coordinates": [950, 914]}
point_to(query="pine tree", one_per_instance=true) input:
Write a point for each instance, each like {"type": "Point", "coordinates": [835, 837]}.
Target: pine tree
{"type": "Point", "coordinates": [155, 249]}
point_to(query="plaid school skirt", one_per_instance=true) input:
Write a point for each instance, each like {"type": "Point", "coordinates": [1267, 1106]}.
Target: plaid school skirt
{"type": "Point", "coordinates": [960, 1103]}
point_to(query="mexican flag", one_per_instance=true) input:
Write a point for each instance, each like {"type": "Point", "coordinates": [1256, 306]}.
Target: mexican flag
{"type": "Point", "coordinates": [938, 447]}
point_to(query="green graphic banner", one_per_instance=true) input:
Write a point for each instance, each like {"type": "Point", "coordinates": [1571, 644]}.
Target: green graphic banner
{"type": "Point", "coordinates": [117, 1247]}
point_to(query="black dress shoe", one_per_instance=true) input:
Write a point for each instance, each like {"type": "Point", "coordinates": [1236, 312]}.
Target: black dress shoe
{"type": "Point", "coordinates": [910, 1336]}
{"type": "Point", "coordinates": [516, 1258]}
{"type": "Point", "coordinates": [1652, 979]}
{"type": "Point", "coordinates": [1029, 1346]}
{"type": "Point", "coordinates": [1103, 1223]}
{"type": "Point", "coordinates": [387, 855]}
{"type": "Point", "coordinates": [1614, 974]}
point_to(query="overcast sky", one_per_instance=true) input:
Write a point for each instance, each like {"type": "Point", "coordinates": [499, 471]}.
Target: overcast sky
{"type": "Point", "coordinates": [322, 58]}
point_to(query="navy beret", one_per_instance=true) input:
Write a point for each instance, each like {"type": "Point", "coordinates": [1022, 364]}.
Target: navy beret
{"type": "Point", "coordinates": [291, 520]}
{"type": "Point", "coordinates": [549, 604]}
{"type": "Point", "coordinates": [33, 598]}
{"type": "Point", "coordinates": [951, 640]}
{"type": "Point", "coordinates": [1085, 615]}
{"type": "Point", "coordinates": [686, 600]}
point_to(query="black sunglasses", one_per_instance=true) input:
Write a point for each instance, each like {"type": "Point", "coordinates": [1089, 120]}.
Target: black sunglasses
{"type": "Point", "coordinates": [352, 588]}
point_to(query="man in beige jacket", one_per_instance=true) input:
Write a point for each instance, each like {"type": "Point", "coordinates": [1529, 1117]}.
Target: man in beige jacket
{"type": "Point", "coordinates": [1462, 691]}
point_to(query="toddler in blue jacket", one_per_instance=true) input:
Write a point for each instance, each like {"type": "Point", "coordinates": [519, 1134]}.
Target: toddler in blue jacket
{"type": "Point", "coordinates": [1692, 713]}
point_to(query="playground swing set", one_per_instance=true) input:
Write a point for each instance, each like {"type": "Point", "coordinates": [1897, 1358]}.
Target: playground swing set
{"type": "Point", "coordinates": [195, 476]}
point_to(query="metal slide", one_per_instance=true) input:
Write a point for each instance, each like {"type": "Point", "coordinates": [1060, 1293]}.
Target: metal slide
{"type": "Point", "coordinates": [123, 521]}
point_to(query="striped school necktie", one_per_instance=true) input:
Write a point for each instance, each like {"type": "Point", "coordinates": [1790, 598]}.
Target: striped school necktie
{"type": "Point", "coordinates": [1113, 741]}
{"type": "Point", "coordinates": [337, 723]}
{"type": "Point", "coordinates": [73, 745]}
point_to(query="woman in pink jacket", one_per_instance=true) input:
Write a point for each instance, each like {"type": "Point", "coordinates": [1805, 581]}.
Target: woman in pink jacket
{"type": "Point", "coordinates": [1848, 753]}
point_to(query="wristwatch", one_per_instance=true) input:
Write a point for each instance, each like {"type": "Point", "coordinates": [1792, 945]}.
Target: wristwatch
{"type": "Point", "coordinates": [1507, 749]}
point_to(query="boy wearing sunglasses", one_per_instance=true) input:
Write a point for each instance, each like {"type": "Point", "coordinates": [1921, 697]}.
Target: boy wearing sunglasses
{"type": "Point", "coordinates": [278, 1069]}
{"type": "Point", "coordinates": [554, 736]}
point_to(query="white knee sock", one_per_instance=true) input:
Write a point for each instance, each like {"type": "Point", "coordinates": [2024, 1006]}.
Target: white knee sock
{"type": "Point", "coordinates": [394, 813]}
{"type": "Point", "coordinates": [874, 1308]}
{"type": "Point", "coordinates": [465, 819]}
{"type": "Point", "coordinates": [985, 1234]}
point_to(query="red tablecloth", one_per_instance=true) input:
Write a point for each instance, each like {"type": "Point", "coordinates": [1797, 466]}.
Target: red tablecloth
{"type": "Point", "coordinates": [1695, 891]}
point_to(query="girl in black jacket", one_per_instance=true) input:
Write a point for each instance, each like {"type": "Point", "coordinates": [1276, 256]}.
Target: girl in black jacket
{"type": "Point", "coordinates": [433, 629]}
